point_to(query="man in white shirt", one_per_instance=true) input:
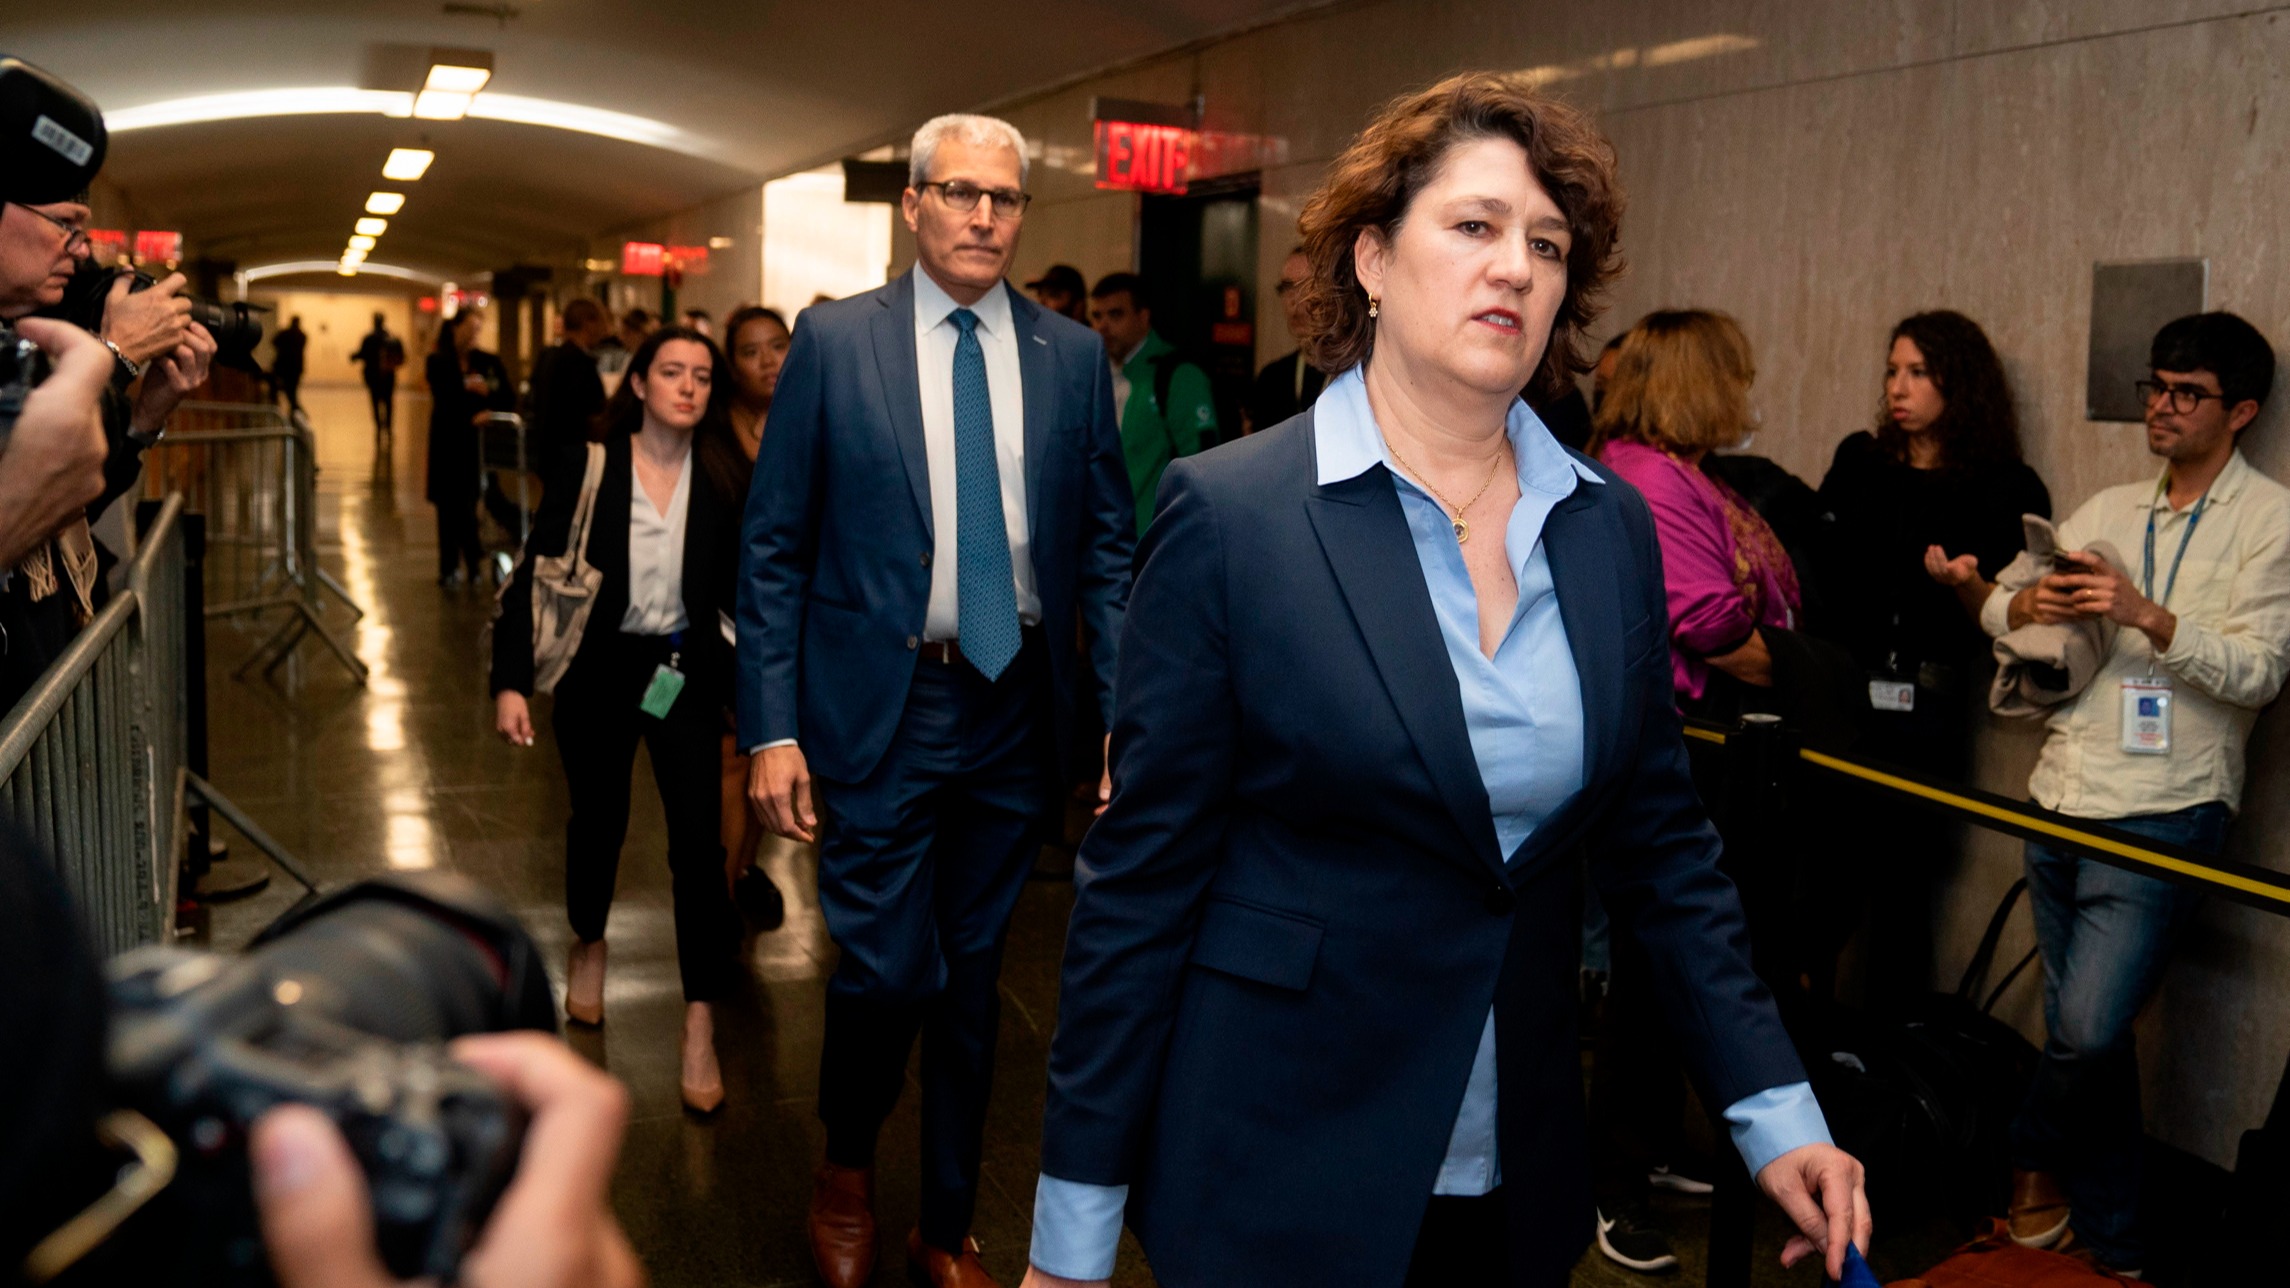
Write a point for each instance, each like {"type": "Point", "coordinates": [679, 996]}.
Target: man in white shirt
{"type": "Point", "coordinates": [2154, 745]}
{"type": "Point", "coordinates": [939, 510]}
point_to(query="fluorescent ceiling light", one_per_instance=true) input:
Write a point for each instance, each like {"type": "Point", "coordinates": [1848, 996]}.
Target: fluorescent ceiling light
{"type": "Point", "coordinates": [719, 243]}
{"type": "Point", "coordinates": [309, 101]}
{"type": "Point", "coordinates": [457, 80]}
{"type": "Point", "coordinates": [352, 255]}
{"type": "Point", "coordinates": [348, 270]}
{"type": "Point", "coordinates": [372, 227]}
{"type": "Point", "coordinates": [291, 268]}
{"type": "Point", "coordinates": [385, 203]}
{"type": "Point", "coordinates": [514, 108]}
{"type": "Point", "coordinates": [587, 120]}
{"type": "Point", "coordinates": [361, 242]}
{"type": "Point", "coordinates": [407, 164]}
{"type": "Point", "coordinates": [441, 105]}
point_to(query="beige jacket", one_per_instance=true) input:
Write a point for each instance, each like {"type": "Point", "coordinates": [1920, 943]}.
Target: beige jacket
{"type": "Point", "coordinates": [2038, 666]}
{"type": "Point", "coordinates": [2227, 657]}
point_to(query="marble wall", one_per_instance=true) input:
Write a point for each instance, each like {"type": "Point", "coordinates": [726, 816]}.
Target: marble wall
{"type": "Point", "coordinates": [1820, 170]}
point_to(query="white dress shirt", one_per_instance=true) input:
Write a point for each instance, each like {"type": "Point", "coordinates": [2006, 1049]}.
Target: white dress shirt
{"type": "Point", "coordinates": [935, 336]}
{"type": "Point", "coordinates": [656, 555]}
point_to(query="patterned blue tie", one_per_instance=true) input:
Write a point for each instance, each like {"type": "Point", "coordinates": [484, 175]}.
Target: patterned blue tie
{"type": "Point", "coordinates": [989, 597]}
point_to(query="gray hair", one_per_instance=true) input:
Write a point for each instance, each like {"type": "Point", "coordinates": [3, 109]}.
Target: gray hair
{"type": "Point", "coordinates": [977, 131]}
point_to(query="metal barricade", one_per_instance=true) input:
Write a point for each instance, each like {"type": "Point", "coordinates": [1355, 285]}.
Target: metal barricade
{"type": "Point", "coordinates": [253, 474]}
{"type": "Point", "coordinates": [92, 758]}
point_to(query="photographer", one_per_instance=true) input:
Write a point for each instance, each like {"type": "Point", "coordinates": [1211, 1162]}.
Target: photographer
{"type": "Point", "coordinates": [52, 143]}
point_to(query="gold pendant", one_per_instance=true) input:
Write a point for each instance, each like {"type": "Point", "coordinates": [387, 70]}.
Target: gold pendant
{"type": "Point", "coordinates": [1462, 531]}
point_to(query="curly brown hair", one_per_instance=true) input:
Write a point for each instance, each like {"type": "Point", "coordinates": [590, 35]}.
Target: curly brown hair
{"type": "Point", "coordinates": [1977, 425]}
{"type": "Point", "coordinates": [1376, 179]}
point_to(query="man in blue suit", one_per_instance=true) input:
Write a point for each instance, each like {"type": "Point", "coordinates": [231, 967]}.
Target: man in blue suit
{"type": "Point", "coordinates": [940, 499]}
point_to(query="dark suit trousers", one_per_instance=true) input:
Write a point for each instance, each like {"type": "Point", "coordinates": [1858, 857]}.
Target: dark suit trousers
{"type": "Point", "coordinates": [598, 725]}
{"type": "Point", "coordinates": [1462, 1242]}
{"type": "Point", "coordinates": [920, 866]}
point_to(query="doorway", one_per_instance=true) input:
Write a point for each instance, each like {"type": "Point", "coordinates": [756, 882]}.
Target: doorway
{"type": "Point", "coordinates": [1197, 254]}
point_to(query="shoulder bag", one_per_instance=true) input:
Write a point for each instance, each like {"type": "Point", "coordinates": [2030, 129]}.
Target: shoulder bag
{"type": "Point", "coordinates": [565, 587]}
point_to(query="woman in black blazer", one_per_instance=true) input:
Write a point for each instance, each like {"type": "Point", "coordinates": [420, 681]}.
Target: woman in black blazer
{"type": "Point", "coordinates": [465, 384]}
{"type": "Point", "coordinates": [670, 462]}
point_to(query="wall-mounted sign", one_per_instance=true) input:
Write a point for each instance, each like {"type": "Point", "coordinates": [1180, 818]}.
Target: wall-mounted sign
{"type": "Point", "coordinates": [1137, 156]}
{"type": "Point", "coordinates": [427, 304]}
{"type": "Point", "coordinates": [643, 259]}
{"type": "Point", "coordinates": [161, 247]}
{"type": "Point", "coordinates": [107, 245]}
{"type": "Point", "coordinates": [691, 259]}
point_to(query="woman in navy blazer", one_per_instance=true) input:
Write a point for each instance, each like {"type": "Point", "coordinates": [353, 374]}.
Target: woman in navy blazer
{"type": "Point", "coordinates": [1387, 668]}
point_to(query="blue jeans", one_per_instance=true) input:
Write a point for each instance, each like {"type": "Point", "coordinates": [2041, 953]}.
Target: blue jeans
{"type": "Point", "coordinates": [2106, 935]}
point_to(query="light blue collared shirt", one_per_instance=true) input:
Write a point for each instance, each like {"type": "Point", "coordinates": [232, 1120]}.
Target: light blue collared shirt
{"type": "Point", "coordinates": [1523, 711]}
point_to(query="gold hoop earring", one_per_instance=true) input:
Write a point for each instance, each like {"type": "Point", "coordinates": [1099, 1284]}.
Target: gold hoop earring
{"type": "Point", "coordinates": [1374, 305]}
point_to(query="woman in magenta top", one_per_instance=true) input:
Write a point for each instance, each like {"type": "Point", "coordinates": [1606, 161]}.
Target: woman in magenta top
{"type": "Point", "coordinates": [1680, 389]}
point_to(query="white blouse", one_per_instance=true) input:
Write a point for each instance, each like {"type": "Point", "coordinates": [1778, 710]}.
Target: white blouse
{"type": "Point", "coordinates": [656, 557]}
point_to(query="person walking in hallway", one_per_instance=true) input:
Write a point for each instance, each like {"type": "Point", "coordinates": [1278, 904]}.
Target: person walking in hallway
{"type": "Point", "coordinates": [756, 343]}
{"type": "Point", "coordinates": [1167, 409]}
{"type": "Point", "coordinates": [379, 357]}
{"type": "Point", "coordinates": [652, 667]}
{"type": "Point", "coordinates": [1389, 669]}
{"type": "Point", "coordinates": [288, 349]}
{"type": "Point", "coordinates": [940, 510]}
{"type": "Point", "coordinates": [566, 391]}
{"type": "Point", "coordinates": [1289, 383]}
{"type": "Point", "coordinates": [465, 384]}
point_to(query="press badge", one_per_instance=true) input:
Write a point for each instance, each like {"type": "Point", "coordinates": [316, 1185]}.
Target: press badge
{"type": "Point", "coordinates": [1892, 695]}
{"type": "Point", "coordinates": [660, 695]}
{"type": "Point", "coordinates": [2147, 717]}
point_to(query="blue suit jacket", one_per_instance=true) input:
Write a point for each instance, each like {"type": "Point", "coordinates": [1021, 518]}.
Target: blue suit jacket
{"type": "Point", "coordinates": [835, 550]}
{"type": "Point", "coordinates": [1293, 919]}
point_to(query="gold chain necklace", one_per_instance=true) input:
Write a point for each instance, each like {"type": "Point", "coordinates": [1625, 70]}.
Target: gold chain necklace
{"type": "Point", "coordinates": [1462, 527]}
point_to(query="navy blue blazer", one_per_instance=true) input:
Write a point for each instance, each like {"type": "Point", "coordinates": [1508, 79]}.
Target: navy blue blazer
{"type": "Point", "coordinates": [1292, 920]}
{"type": "Point", "coordinates": [835, 552]}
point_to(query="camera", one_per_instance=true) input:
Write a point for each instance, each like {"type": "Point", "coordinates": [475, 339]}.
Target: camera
{"type": "Point", "coordinates": [22, 367]}
{"type": "Point", "coordinates": [236, 327]}
{"type": "Point", "coordinates": [343, 1005]}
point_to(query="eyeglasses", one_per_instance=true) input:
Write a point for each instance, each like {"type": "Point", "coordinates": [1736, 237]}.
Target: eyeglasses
{"type": "Point", "coordinates": [75, 237]}
{"type": "Point", "coordinates": [2183, 398]}
{"type": "Point", "coordinates": [961, 196]}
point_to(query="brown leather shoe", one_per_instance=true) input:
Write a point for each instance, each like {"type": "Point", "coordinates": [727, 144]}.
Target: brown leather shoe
{"type": "Point", "coordinates": [937, 1268]}
{"type": "Point", "coordinates": [2039, 1210]}
{"type": "Point", "coordinates": [843, 1225]}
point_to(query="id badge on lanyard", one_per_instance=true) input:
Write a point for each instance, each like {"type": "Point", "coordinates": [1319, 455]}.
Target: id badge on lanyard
{"type": "Point", "coordinates": [2147, 701]}
{"type": "Point", "coordinates": [667, 682]}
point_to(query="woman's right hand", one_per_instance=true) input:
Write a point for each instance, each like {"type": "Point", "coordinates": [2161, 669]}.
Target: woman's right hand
{"type": "Point", "coordinates": [513, 718]}
{"type": "Point", "coordinates": [1950, 572]}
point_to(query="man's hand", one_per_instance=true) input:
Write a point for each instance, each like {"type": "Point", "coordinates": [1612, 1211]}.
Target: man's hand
{"type": "Point", "coordinates": [53, 463]}
{"type": "Point", "coordinates": [1105, 781]}
{"type": "Point", "coordinates": [552, 1229]}
{"type": "Point", "coordinates": [1823, 1192]}
{"type": "Point", "coordinates": [171, 380]}
{"type": "Point", "coordinates": [779, 787]}
{"type": "Point", "coordinates": [2101, 591]}
{"type": "Point", "coordinates": [513, 718]}
{"type": "Point", "coordinates": [147, 323]}
{"type": "Point", "coordinates": [1044, 1279]}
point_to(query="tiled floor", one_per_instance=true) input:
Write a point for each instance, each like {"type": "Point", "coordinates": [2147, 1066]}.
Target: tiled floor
{"type": "Point", "coordinates": [406, 773]}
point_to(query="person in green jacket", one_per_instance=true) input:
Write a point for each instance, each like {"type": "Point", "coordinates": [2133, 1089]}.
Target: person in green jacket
{"type": "Point", "coordinates": [1167, 408]}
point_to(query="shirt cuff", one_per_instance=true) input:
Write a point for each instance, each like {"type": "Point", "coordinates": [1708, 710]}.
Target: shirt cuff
{"type": "Point", "coordinates": [766, 746]}
{"type": "Point", "coordinates": [1996, 613]}
{"type": "Point", "coordinates": [1775, 1121]}
{"type": "Point", "coordinates": [1077, 1228]}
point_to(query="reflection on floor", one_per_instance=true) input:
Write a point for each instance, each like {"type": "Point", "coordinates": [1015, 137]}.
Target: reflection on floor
{"type": "Point", "coordinates": [405, 773]}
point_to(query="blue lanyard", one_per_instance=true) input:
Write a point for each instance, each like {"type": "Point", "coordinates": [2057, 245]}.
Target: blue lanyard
{"type": "Point", "coordinates": [2147, 570]}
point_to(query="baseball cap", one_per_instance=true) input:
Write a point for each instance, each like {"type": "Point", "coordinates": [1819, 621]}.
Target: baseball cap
{"type": "Point", "coordinates": [52, 138]}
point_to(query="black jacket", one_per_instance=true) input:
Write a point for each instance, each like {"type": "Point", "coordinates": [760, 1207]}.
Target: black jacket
{"type": "Point", "coordinates": [711, 557]}
{"type": "Point", "coordinates": [453, 413]}
{"type": "Point", "coordinates": [567, 393]}
{"type": "Point", "coordinates": [1272, 396]}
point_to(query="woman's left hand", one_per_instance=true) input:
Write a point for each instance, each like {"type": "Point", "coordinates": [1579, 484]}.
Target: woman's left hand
{"type": "Point", "coordinates": [1824, 1192]}
{"type": "Point", "coordinates": [1950, 572]}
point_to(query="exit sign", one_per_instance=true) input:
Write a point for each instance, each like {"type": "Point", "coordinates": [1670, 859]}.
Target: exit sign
{"type": "Point", "coordinates": [1138, 156]}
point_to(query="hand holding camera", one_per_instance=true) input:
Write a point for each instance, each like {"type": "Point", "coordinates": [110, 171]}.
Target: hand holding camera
{"type": "Point", "coordinates": [150, 323]}
{"type": "Point", "coordinates": [552, 1227]}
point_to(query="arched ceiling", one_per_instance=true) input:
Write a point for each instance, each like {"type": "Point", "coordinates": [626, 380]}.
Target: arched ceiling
{"type": "Point", "coordinates": [728, 93]}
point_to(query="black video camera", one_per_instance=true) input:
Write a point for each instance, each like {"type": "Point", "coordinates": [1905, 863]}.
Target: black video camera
{"type": "Point", "coordinates": [344, 1006]}
{"type": "Point", "coordinates": [23, 365]}
{"type": "Point", "coordinates": [236, 328]}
